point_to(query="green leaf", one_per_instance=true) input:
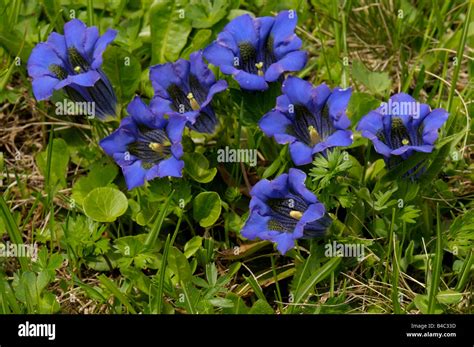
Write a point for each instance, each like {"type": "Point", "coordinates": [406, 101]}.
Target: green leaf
{"type": "Point", "coordinates": [207, 208]}
{"type": "Point", "coordinates": [123, 71]}
{"type": "Point", "coordinates": [196, 165]}
{"type": "Point", "coordinates": [221, 302]}
{"type": "Point", "coordinates": [323, 272]}
{"type": "Point", "coordinates": [359, 105]}
{"type": "Point", "coordinates": [200, 39]}
{"type": "Point", "coordinates": [238, 307]}
{"type": "Point", "coordinates": [376, 82]}
{"type": "Point", "coordinates": [421, 303]}
{"type": "Point", "coordinates": [115, 290]}
{"type": "Point", "coordinates": [192, 246]}
{"type": "Point", "coordinates": [178, 264]}
{"type": "Point", "coordinates": [261, 307]}
{"type": "Point", "coordinates": [256, 104]}
{"type": "Point", "coordinates": [100, 175]}
{"type": "Point", "coordinates": [206, 13]}
{"type": "Point", "coordinates": [449, 297]}
{"type": "Point", "coordinates": [105, 204]}
{"type": "Point", "coordinates": [59, 162]}
{"type": "Point", "coordinates": [169, 31]}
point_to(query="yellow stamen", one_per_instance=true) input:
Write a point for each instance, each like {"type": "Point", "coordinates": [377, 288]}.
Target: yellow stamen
{"type": "Point", "coordinates": [157, 147]}
{"type": "Point", "coordinates": [296, 214]}
{"type": "Point", "coordinates": [77, 69]}
{"type": "Point", "coordinates": [259, 67]}
{"type": "Point", "coordinates": [194, 104]}
{"type": "Point", "coordinates": [405, 142]}
{"type": "Point", "coordinates": [313, 134]}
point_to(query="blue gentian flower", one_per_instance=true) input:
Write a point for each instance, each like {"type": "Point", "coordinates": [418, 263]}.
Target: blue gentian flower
{"type": "Point", "coordinates": [402, 126]}
{"type": "Point", "coordinates": [72, 62]}
{"type": "Point", "coordinates": [146, 145]}
{"type": "Point", "coordinates": [256, 51]}
{"type": "Point", "coordinates": [311, 119]}
{"type": "Point", "coordinates": [284, 210]}
{"type": "Point", "coordinates": [187, 88]}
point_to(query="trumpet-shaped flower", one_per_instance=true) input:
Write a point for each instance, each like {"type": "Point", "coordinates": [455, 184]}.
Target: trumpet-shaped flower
{"type": "Point", "coordinates": [311, 119]}
{"type": "Point", "coordinates": [146, 145]}
{"type": "Point", "coordinates": [187, 88]}
{"type": "Point", "coordinates": [256, 51]}
{"type": "Point", "coordinates": [284, 210]}
{"type": "Point", "coordinates": [402, 126]}
{"type": "Point", "coordinates": [73, 62]}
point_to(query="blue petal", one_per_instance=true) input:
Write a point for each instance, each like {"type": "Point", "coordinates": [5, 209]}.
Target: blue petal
{"type": "Point", "coordinates": [43, 87]}
{"type": "Point", "coordinates": [254, 226]}
{"type": "Point", "coordinates": [320, 95]}
{"type": "Point", "coordinates": [57, 42]}
{"type": "Point", "coordinates": [260, 189]}
{"type": "Point", "coordinates": [298, 91]}
{"type": "Point", "coordinates": [42, 56]}
{"type": "Point", "coordinates": [90, 40]}
{"type": "Point", "coordinates": [293, 61]}
{"type": "Point", "coordinates": [164, 75]}
{"type": "Point", "coordinates": [170, 167]}
{"type": "Point", "coordinates": [175, 127]}
{"type": "Point", "coordinates": [300, 153]}
{"type": "Point", "coordinates": [260, 206]}
{"type": "Point", "coordinates": [134, 175]}
{"type": "Point", "coordinates": [242, 29]}
{"type": "Point", "coordinates": [177, 150]}
{"type": "Point", "coordinates": [217, 87]}
{"type": "Point", "coordinates": [219, 55]}
{"type": "Point", "coordinates": [404, 149]}
{"type": "Point", "coordinates": [263, 26]}
{"type": "Point", "coordinates": [379, 146]}
{"type": "Point", "coordinates": [283, 33]}
{"type": "Point", "coordinates": [274, 122]}
{"type": "Point", "coordinates": [249, 81]}
{"type": "Point", "coordinates": [86, 79]}
{"type": "Point", "coordinates": [283, 104]}
{"type": "Point", "coordinates": [74, 33]}
{"type": "Point", "coordinates": [265, 189]}
{"type": "Point", "coordinates": [199, 69]}
{"type": "Point", "coordinates": [340, 138]}
{"type": "Point", "coordinates": [337, 104]}
{"type": "Point", "coordinates": [403, 98]}
{"type": "Point", "coordinates": [161, 106]}
{"type": "Point", "coordinates": [120, 138]}
{"type": "Point", "coordinates": [142, 114]}
{"type": "Point", "coordinates": [314, 212]}
{"type": "Point", "coordinates": [226, 40]}
{"type": "Point", "coordinates": [371, 122]}
{"type": "Point", "coordinates": [296, 180]}
{"type": "Point", "coordinates": [100, 46]}
{"type": "Point", "coordinates": [432, 123]}
{"type": "Point", "coordinates": [424, 112]}
{"type": "Point", "coordinates": [285, 242]}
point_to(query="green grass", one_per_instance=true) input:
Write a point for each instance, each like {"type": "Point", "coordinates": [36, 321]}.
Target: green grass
{"type": "Point", "coordinates": [158, 256]}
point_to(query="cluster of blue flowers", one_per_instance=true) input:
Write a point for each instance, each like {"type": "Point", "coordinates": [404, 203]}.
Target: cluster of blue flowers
{"type": "Point", "coordinates": [255, 52]}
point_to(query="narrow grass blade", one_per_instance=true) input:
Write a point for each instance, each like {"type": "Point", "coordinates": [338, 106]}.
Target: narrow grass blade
{"type": "Point", "coordinates": [116, 292]}
{"type": "Point", "coordinates": [12, 229]}
{"type": "Point", "coordinates": [317, 277]}
{"type": "Point", "coordinates": [436, 268]}
{"type": "Point", "coordinates": [155, 230]}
